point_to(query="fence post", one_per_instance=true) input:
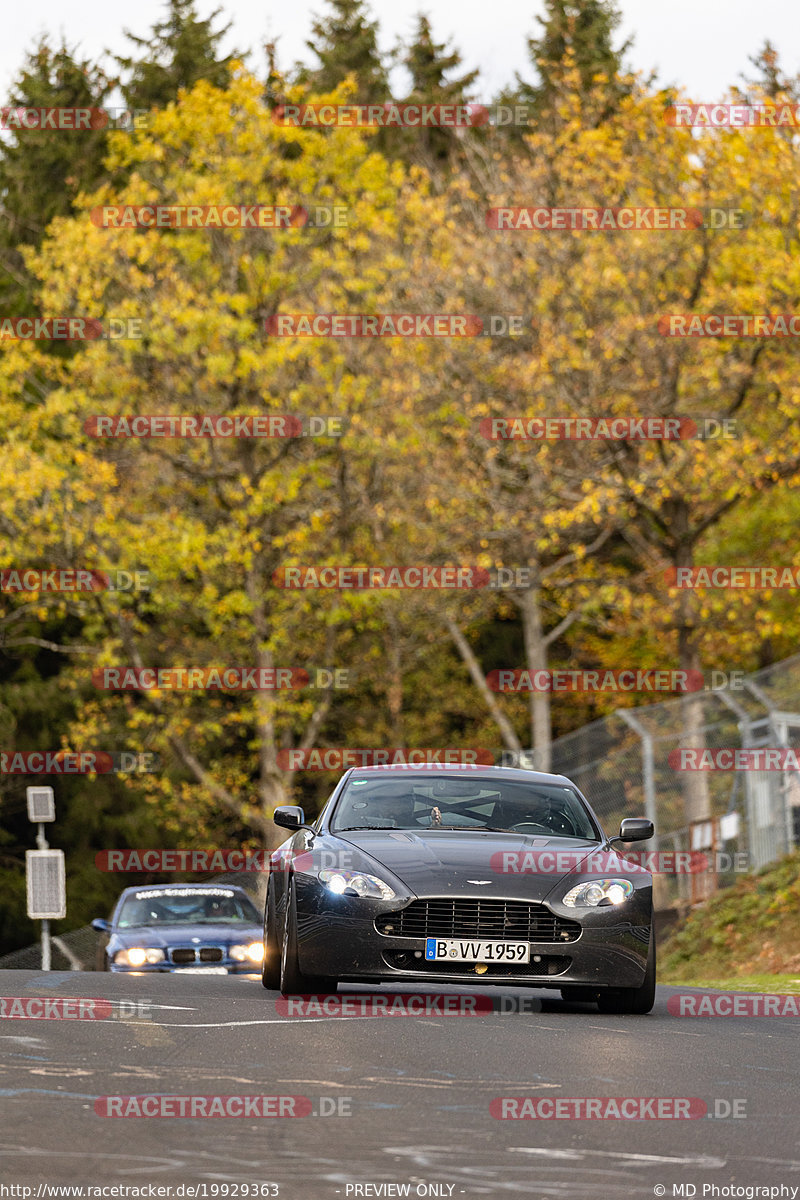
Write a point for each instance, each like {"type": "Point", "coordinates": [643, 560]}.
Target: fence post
{"type": "Point", "coordinates": [648, 768]}
{"type": "Point", "coordinates": [778, 839]}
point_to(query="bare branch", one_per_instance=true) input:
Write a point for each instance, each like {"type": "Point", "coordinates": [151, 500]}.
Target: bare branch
{"type": "Point", "coordinates": [45, 645]}
{"type": "Point", "coordinates": [507, 733]}
{"type": "Point", "coordinates": [560, 628]}
{"type": "Point", "coordinates": [248, 814]}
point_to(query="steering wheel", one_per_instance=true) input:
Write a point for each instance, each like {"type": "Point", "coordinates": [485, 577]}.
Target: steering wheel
{"type": "Point", "coordinates": [530, 827]}
{"type": "Point", "coordinates": [561, 822]}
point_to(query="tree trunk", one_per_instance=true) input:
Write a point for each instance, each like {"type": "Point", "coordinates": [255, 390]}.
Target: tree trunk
{"type": "Point", "coordinates": [507, 732]}
{"type": "Point", "coordinates": [536, 660]}
{"type": "Point", "coordinates": [394, 680]}
{"type": "Point", "coordinates": [271, 785]}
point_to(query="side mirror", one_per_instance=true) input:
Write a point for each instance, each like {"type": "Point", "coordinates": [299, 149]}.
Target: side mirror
{"type": "Point", "coordinates": [635, 829]}
{"type": "Point", "coordinates": [290, 816]}
{"type": "Point", "coordinates": [101, 925]}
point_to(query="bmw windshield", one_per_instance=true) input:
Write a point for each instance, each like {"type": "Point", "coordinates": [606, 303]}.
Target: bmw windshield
{"type": "Point", "coordinates": [192, 906]}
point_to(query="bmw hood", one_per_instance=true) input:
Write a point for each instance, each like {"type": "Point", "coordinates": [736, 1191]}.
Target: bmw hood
{"type": "Point", "coordinates": [183, 935]}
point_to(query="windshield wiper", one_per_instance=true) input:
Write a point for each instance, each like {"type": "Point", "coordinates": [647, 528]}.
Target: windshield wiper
{"type": "Point", "coordinates": [355, 828]}
{"type": "Point", "coordinates": [470, 828]}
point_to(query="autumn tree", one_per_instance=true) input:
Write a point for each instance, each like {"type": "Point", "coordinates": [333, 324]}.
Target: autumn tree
{"type": "Point", "coordinates": [600, 348]}
{"type": "Point", "coordinates": [210, 519]}
{"type": "Point", "coordinates": [594, 305]}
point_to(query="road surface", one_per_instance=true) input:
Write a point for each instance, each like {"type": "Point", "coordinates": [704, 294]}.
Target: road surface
{"type": "Point", "coordinates": [407, 1100]}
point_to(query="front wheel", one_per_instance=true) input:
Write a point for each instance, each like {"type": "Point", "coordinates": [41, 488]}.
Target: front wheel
{"type": "Point", "coordinates": [633, 1000]}
{"type": "Point", "coordinates": [292, 980]}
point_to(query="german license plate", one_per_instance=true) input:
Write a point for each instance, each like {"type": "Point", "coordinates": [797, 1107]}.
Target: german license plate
{"type": "Point", "coordinates": [461, 950]}
{"type": "Point", "coordinates": [204, 970]}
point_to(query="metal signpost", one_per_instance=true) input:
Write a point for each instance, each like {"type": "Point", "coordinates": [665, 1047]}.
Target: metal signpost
{"type": "Point", "coordinates": [45, 870]}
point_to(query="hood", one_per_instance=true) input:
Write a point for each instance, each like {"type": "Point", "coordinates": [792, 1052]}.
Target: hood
{"type": "Point", "coordinates": [444, 862]}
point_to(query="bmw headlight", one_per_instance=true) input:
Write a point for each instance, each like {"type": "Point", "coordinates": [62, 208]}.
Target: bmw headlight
{"type": "Point", "coordinates": [137, 956]}
{"type": "Point", "coordinates": [253, 952]}
{"type": "Point", "coordinates": [599, 893]}
{"type": "Point", "coordinates": [356, 883]}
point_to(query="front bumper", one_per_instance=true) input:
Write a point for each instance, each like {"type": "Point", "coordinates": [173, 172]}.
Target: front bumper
{"type": "Point", "coordinates": [337, 937]}
{"type": "Point", "coordinates": [167, 968]}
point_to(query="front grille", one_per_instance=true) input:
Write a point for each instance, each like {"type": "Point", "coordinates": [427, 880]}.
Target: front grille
{"type": "Point", "coordinates": [512, 920]}
{"type": "Point", "coordinates": [206, 954]}
{"type": "Point", "coordinates": [211, 954]}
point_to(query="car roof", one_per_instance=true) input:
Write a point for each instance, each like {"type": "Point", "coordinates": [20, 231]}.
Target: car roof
{"type": "Point", "coordinates": [476, 771]}
{"type": "Point", "coordinates": [170, 887]}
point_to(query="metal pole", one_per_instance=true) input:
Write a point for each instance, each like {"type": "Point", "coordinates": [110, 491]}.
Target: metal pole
{"type": "Point", "coordinates": [780, 729]}
{"type": "Point", "coordinates": [648, 768]}
{"type": "Point", "coordinates": [46, 946]}
{"type": "Point", "coordinates": [41, 842]}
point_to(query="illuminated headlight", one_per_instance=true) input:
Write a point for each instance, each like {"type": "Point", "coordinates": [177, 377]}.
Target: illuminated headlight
{"type": "Point", "coordinates": [253, 952]}
{"type": "Point", "coordinates": [137, 956]}
{"type": "Point", "coordinates": [599, 893]}
{"type": "Point", "coordinates": [355, 882]}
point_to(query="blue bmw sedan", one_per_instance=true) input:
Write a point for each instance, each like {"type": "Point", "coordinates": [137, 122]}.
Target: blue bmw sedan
{"type": "Point", "coordinates": [213, 929]}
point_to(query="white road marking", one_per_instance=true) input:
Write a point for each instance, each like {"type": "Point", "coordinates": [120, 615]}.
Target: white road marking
{"type": "Point", "coordinates": [704, 1160]}
{"type": "Point", "coordinates": [182, 1007]}
{"type": "Point", "coordinates": [287, 1021]}
{"type": "Point", "coordinates": [677, 1032]}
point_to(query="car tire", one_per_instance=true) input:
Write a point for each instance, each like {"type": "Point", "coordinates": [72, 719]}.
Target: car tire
{"type": "Point", "coordinates": [292, 980]}
{"type": "Point", "coordinates": [576, 993]}
{"type": "Point", "coordinates": [633, 1000]}
{"type": "Point", "coordinates": [271, 966]}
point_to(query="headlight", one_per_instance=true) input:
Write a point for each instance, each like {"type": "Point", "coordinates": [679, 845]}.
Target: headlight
{"type": "Point", "coordinates": [137, 956]}
{"type": "Point", "coordinates": [356, 883]}
{"type": "Point", "coordinates": [599, 893]}
{"type": "Point", "coordinates": [253, 952]}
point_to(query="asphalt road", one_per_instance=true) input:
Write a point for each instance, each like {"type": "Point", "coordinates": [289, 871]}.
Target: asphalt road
{"type": "Point", "coordinates": [409, 1096]}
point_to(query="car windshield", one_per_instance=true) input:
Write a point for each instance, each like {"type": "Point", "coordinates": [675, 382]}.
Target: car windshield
{"type": "Point", "coordinates": [189, 906]}
{"type": "Point", "coordinates": [424, 803]}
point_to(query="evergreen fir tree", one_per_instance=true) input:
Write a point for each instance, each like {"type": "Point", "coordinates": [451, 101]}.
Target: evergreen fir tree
{"type": "Point", "coordinates": [346, 43]}
{"type": "Point", "coordinates": [42, 171]}
{"type": "Point", "coordinates": [585, 28]}
{"type": "Point", "coordinates": [770, 77]}
{"type": "Point", "coordinates": [430, 65]}
{"type": "Point", "coordinates": [180, 51]}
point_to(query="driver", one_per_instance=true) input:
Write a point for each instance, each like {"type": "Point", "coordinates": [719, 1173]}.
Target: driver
{"type": "Point", "coordinates": [529, 810]}
{"type": "Point", "coordinates": [548, 814]}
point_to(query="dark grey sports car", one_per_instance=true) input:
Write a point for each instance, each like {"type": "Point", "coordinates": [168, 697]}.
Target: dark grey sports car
{"type": "Point", "coordinates": [460, 874]}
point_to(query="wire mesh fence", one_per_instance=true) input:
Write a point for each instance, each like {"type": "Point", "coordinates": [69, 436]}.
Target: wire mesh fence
{"type": "Point", "coordinates": [716, 772]}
